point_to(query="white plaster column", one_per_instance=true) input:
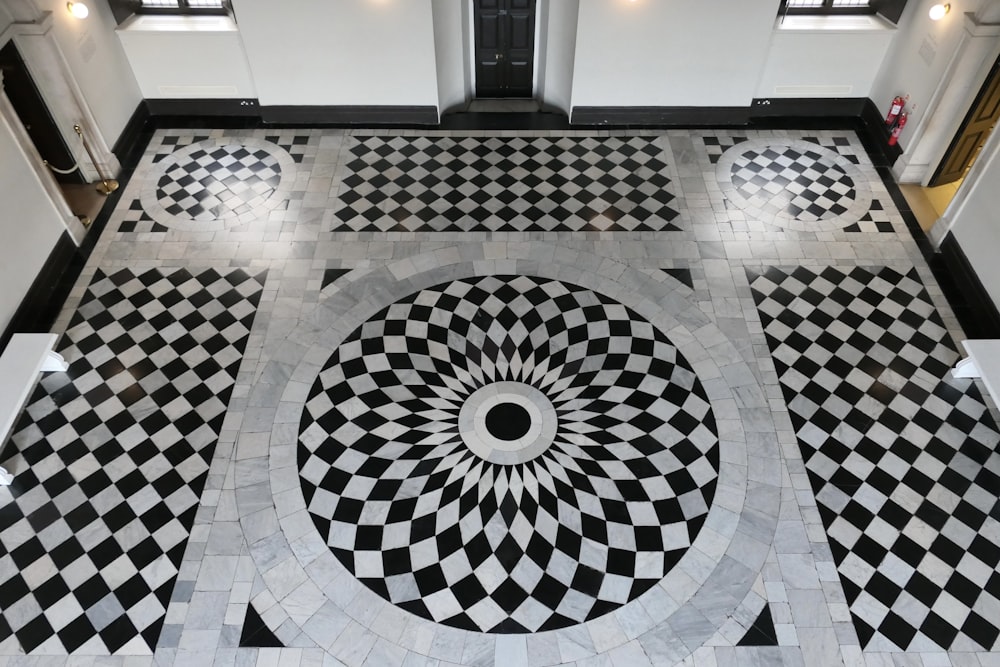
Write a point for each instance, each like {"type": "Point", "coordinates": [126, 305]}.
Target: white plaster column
{"type": "Point", "coordinates": [49, 70]}
{"type": "Point", "coordinates": [969, 66]}
{"type": "Point", "coordinates": [73, 225]}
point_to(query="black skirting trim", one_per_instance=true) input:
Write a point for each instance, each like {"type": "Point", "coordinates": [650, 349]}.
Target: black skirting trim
{"type": "Point", "coordinates": [41, 305]}
{"type": "Point", "coordinates": [350, 115]}
{"type": "Point", "coordinates": [658, 116]}
{"type": "Point", "coordinates": [969, 299]}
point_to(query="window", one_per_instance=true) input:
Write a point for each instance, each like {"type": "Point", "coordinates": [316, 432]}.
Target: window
{"type": "Point", "coordinates": [182, 6]}
{"type": "Point", "coordinates": [828, 7]}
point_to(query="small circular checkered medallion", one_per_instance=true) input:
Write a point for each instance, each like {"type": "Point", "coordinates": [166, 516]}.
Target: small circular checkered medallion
{"type": "Point", "coordinates": [796, 184]}
{"type": "Point", "coordinates": [798, 181]}
{"type": "Point", "coordinates": [542, 523]}
{"type": "Point", "coordinates": [218, 182]}
{"type": "Point", "coordinates": [212, 184]}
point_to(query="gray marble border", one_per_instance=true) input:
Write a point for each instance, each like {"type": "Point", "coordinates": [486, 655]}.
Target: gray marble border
{"type": "Point", "coordinates": [757, 206]}
{"type": "Point", "coordinates": [319, 596]}
{"type": "Point", "coordinates": [152, 206]}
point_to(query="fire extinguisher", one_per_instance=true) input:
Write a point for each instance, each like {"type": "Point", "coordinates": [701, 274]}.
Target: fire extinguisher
{"type": "Point", "coordinates": [896, 131]}
{"type": "Point", "coordinates": [898, 102]}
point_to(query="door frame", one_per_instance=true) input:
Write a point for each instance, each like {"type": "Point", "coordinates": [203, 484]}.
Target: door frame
{"type": "Point", "coordinates": [989, 154]}
{"type": "Point", "coordinates": [541, 16]}
{"type": "Point", "coordinates": [49, 130]}
{"type": "Point", "coordinates": [991, 77]}
{"type": "Point", "coordinates": [55, 82]}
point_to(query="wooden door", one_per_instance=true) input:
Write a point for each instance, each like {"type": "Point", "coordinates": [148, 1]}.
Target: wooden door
{"type": "Point", "coordinates": [973, 133]}
{"type": "Point", "coordinates": [505, 47]}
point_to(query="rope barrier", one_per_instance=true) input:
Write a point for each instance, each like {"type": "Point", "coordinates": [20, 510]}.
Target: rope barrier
{"type": "Point", "coordinates": [61, 171]}
{"type": "Point", "coordinates": [76, 165]}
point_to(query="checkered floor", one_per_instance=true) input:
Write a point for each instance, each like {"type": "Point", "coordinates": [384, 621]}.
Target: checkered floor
{"type": "Point", "coordinates": [507, 184]}
{"type": "Point", "coordinates": [800, 183]}
{"type": "Point", "coordinates": [218, 182]}
{"type": "Point", "coordinates": [580, 455]}
{"type": "Point", "coordinates": [589, 525]}
{"type": "Point", "coordinates": [901, 457]}
{"type": "Point", "coordinates": [111, 457]}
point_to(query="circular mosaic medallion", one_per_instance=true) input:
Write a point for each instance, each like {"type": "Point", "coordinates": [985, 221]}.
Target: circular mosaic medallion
{"type": "Point", "coordinates": [794, 183]}
{"type": "Point", "coordinates": [210, 184]}
{"type": "Point", "coordinates": [508, 454]}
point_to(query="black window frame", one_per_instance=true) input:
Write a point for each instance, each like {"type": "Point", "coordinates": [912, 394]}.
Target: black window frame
{"type": "Point", "coordinates": [827, 9]}
{"type": "Point", "coordinates": [124, 9]}
{"type": "Point", "coordinates": [182, 9]}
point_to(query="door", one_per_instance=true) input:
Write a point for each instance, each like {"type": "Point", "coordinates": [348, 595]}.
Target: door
{"type": "Point", "coordinates": [973, 133]}
{"type": "Point", "coordinates": [505, 47]}
{"type": "Point", "coordinates": [34, 115]}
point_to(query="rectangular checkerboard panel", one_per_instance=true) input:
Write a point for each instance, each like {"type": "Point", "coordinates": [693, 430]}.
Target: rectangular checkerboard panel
{"type": "Point", "coordinates": [506, 184]}
{"type": "Point", "coordinates": [111, 458]}
{"type": "Point", "coordinates": [900, 455]}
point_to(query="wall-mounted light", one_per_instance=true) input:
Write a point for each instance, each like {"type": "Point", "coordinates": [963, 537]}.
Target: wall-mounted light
{"type": "Point", "coordinates": [938, 11]}
{"type": "Point", "coordinates": [78, 9]}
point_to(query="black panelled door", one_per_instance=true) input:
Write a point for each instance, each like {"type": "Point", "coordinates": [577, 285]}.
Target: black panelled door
{"type": "Point", "coordinates": [505, 47]}
{"type": "Point", "coordinates": [34, 115]}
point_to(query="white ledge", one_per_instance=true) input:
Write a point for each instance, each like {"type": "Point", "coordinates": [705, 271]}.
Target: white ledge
{"type": "Point", "coordinates": [842, 23]}
{"type": "Point", "coordinates": [177, 23]}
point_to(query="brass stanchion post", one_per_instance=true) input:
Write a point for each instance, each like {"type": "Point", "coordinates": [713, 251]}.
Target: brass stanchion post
{"type": "Point", "coordinates": [107, 185]}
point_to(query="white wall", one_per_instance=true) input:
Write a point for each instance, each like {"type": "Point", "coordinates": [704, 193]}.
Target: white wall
{"type": "Point", "coordinates": [29, 225]}
{"type": "Point", "coordinates": [919, 58]}
{"type": "Point", "coordinates": [450, 55]}
{"type": "Point", "coordinates": [671, 53]}
{"type": "Point", "coordinates": [560, 53]}
{"type": "Point", "coordinates": [5, 18]}
{"type": "Point", "coordinates": [812, 59]}
{"type": "Point", "coordinates": [187, 56]}
{"type": "Point", "coordinates": [98, 64]}
{"type": "Point", "coordinates": [337, 52]}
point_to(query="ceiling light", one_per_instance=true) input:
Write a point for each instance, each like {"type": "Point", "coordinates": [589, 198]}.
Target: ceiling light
{"type": "Point", "coordinates": [78, 9]}
{"type": "Point", "coordinates": [938, 11]}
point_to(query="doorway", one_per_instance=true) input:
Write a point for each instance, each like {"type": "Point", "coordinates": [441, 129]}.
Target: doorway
{"type": "Point", "coordinates": [967, 143]}
{"type": "Point", "coordinates": [504, 48]}
{"type": "Point", "coordinates": [41, 128]}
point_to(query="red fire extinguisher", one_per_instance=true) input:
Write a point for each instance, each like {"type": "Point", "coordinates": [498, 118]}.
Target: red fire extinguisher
{"type": "Point", "coordinates": [896, 131]}
{"type": "Point", "coordinates": [898, 102]}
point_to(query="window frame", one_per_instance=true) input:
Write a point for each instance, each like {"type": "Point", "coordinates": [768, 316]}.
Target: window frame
{"type": "Point", "coordinates": [827, 9]}
{"type": "Point", "coordinates": [182, 9]}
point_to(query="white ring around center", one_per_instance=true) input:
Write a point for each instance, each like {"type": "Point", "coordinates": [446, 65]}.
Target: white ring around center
{"type": "Point", "coordinates": [541, 431]}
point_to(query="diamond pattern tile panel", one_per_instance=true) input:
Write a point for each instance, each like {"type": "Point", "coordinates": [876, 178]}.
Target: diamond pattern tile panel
{"type": "Point", "coordinates": [901, 456]}
{"type": "Point", "coordinates": [507, 184]}
{"type": "Point", "coordinates": [111, 458]}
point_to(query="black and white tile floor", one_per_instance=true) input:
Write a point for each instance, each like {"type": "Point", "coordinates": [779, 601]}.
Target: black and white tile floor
{"type": "Point", "coordinates": [400, 399]}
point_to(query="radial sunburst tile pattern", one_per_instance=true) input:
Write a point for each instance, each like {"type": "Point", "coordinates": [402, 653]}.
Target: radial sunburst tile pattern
{"type": "Point", "coordinates": [508, 454]}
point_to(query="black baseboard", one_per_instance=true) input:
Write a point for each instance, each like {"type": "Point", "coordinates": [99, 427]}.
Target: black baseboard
{"type": "Point", "coordinates": [130, 134]}
{"type": "Point", "coordinates": [807, 107]}
{"type": "Point", "coordinates": [203, 107]}
{"type": "Point", "coordinates": [661, 116]}
{"type": "Point", "coordinates": [875, 134]}
{"type": "Point", "coordinates": [349, 115]}
{"type": "Point", "coordinates": [41, 305]}
{"type": "Point", "coordinates": [975, 310]}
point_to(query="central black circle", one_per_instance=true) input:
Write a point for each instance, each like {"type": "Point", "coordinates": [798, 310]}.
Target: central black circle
{"type": "Point", "coordinates": [507, 421]}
